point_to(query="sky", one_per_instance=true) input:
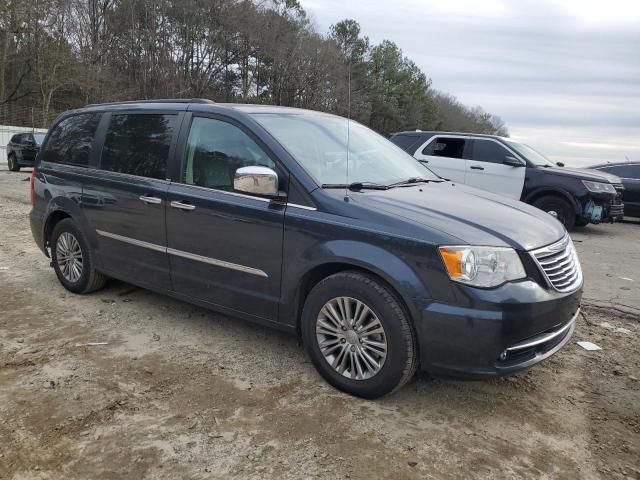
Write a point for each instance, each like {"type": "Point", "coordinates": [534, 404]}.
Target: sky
{"type": "Point", "coordinates": [563, 75]}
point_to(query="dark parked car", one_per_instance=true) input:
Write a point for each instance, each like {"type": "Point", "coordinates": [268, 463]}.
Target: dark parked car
{"type": "Point", "coordinates": [22, 150]}
{"type": "Point", "coordinates": [629, 173]}
{"type": "Point", "coordinates": [269, 214]}
{"type": "Point", "coordinates": [501, 165]}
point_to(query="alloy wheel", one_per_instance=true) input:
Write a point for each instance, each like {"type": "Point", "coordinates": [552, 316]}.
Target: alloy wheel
{"type": "Point", "coordinates": [351, 338]}
{"type": "Point", "coordinates": [69, 257]}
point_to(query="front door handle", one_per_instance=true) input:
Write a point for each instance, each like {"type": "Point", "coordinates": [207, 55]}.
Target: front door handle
{"type": "Point", "coordinates": [476, 167]}
{"type": "Point", "coordinates": [182, 206]}
{"type": "Point", "coordinates": [151, 200]}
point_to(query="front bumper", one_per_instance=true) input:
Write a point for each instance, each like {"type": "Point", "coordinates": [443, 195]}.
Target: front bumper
{"type": "Point", "coordinates": [598, 208]}
{"type": "Point", "coordinates": [505, 330]}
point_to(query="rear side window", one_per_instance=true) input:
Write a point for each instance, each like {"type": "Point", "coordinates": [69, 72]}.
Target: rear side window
{"type": "Point", "coordinates": [215, 150]}
{"type": "Point", "coordinates": [138, 144]}
{"type": "Point", "coordinates": [445, 147]}
{"type": "Point", "coordinates": [70, 141]}
{"type": "Point", "coordinates": [488, 151]}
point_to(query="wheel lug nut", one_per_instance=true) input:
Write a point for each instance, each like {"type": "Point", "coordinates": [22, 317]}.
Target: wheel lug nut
{"type": "Point", "coordinates": [344, 328]}
{"type": "Point", "coordinates": [353, 348]}
{"type": "Point", "coordinates": [342, 340]}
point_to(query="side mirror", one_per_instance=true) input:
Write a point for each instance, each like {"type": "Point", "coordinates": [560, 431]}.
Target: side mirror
{"type": "Point", "coordinates": [256, 180]}
{"type": "Point", "coordinates": [560, 164]}
{"type": "Point", "coordinates": [513, 161]}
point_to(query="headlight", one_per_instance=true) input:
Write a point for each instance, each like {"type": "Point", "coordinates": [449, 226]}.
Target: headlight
{"type": "Point", "coordinates": [599, 187]}
{"type": "Point", "coordinates": [482, 266]}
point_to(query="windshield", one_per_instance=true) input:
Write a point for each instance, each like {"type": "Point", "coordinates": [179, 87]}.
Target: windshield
{"type": "Point", "coordinates": [531, 155]}
{"type": "Point", "coordinates": [39, 137]}
{"type": "Point", "coordinates": [319, 143]}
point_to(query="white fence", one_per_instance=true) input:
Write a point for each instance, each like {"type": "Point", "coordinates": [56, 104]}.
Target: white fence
{"type": "Point", "coordinates": [6, 132]}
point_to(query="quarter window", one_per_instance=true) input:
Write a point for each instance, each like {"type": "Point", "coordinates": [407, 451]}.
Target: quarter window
{"type": "Point", "coordinates": [488, 151]}
{"type": "Point", "coordinates": [70, 141]}
{"type": "Point", "coordinates": [215, 150]}
{"type": "Point", "coordinates": [445, 147]}
{"type": "Point", "coordinates": [138, 144]}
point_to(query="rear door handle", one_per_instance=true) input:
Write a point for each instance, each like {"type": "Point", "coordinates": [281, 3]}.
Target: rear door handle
{"type": "Point", "coordinates": [476, 167]}
{"type": "Point", "coordinates": [150, 200]}
{"type": "Point", "coordinates": [182, 206]}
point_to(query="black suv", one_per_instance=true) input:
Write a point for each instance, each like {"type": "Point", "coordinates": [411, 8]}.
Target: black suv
{"type": "Point", "coordinates": [629, 173]}
{"type": "Point", "coordinates": [506, 167]}
{"type": "Point", "coordinates": [22, 150]}
{"type": "Point", "coordinates": [272, 215]}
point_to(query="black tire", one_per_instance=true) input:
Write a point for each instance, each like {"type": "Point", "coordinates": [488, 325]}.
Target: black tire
{"type": "Point", "coordinates": [90, 279]}
{"type": "Point", "coordinates": [565, 213]}
{"type": "Point", "coordinates": [401, 360]}
{"type": "Point", "coordinates": [581, 222]}
{"type": "Point", "coordinates": [12, 163]}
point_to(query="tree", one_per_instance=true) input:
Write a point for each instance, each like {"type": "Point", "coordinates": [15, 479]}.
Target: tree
{"type": "Point", "coordinates": [62, 54]}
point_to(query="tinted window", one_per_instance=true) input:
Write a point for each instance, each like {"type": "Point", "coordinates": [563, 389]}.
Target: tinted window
{"type": "Point", "coordinates": [624, 171]}
{"type": "Point", "coordinates": [70, 141]}
{"type": "Point", "coordinates": [215, 150]}
{"type": "Point", "coordinates": [138, 144]}
{"type": "Point", "coordinates": [488, 151]}
{"type": "Point", "coordinates": [445, 147]}
{"type": "Point", "coordinates": [405, 142]}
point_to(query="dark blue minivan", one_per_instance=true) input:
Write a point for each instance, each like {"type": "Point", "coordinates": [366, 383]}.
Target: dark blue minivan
{"type": "Point", "coordinates": [310, 223]}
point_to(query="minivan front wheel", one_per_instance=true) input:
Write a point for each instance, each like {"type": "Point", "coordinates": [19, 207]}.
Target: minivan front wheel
{"type": "Point", "coordinates": [73, 260]}
{"type": "Point", "coordinates": [358, 336]}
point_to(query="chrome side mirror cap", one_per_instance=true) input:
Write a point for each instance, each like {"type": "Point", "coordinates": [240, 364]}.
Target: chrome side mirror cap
{"type": "Point", "coordinates": [256, 180]}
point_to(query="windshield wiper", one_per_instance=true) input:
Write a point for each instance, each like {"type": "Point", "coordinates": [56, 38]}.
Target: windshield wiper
{"type": "Point", "coordinates": [411, 181]}
{"type": "Point", "coordinates": [357, 186]}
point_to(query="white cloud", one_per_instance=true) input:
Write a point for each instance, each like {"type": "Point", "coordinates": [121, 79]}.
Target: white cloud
{"type": "Point", "coordinates": [559, 73]}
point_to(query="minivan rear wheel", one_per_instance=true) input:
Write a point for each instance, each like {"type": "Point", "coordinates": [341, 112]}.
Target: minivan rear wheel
{"type": "Point", "coordinates": [73, 260]}
{"type": "Point", "coordinates": [559, 208]}
{"type": "Point", "coordinates": [358, 335]}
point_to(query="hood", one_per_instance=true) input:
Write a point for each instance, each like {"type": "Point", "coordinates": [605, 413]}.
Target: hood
{"type": "Point", "coordinates": [583, 174]}
{"type": "Point", "coordinates": [474, 216]}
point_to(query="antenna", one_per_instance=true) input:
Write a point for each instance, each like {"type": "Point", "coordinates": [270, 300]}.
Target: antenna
{"type": "Point", "coordinates": [346, 188]}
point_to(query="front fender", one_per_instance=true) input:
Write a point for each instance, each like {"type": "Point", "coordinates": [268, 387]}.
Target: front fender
{"type": "Point", "coordinates": [365, 256]}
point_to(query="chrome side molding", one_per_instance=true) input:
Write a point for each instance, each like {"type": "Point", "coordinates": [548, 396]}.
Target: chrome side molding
{"type": "Point", "coordinates": [179, 253]}
{"type": "Point", "coordinates": [217, 263]}
{"type": "Point", "coordinates": [132, 241]}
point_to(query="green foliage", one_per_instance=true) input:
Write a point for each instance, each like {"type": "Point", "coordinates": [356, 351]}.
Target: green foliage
{"type": "Point", "coordinates": [61, 54]}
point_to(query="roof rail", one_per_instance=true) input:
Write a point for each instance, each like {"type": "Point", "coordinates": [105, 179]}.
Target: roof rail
{"type": "Point", "coordinates": [157, 100]}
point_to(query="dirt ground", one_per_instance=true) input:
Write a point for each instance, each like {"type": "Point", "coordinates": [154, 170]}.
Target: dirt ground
{"type": "Point", "coordinates": [181, 392]}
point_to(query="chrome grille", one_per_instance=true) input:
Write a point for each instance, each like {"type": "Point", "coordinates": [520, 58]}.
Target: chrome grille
{"type": "Point", "coordinates": [560, 265]}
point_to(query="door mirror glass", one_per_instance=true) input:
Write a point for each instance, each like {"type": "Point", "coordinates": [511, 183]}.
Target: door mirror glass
{"type": "Point", "coordinates": [256, 180]}
{"type": "Point", "coordinates": [513, 161]}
